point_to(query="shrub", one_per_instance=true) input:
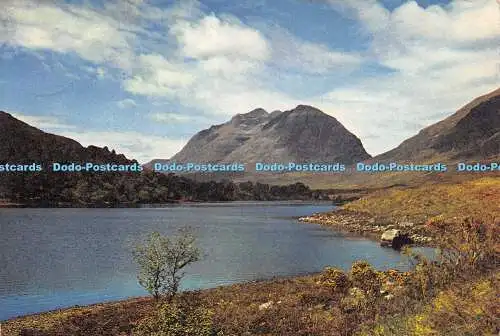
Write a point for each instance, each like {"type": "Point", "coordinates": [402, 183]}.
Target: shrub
{"type": "Point", "coordinates": [174, 319]}
{"type": "Point", "coordinates": [466, 250]}
{"type": "Point", "coordinates": [363, 276]}
{"type": "Point", "coordinates": [162, 259]}
{"type": "Point", "coordinates": [334, 278]}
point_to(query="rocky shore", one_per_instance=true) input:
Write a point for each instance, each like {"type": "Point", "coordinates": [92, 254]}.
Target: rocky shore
{"type": "Point", "coordinates": [385, 230]}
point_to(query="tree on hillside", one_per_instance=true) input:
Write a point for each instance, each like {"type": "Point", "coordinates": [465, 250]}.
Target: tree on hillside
{"type": "Point", "coordinates": [161, 260]}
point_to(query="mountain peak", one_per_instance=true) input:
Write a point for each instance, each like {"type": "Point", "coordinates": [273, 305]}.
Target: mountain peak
{"type": "Point", "coordinates": [4, 114]}
{"type": "Point", "coordinates": [257, 112]}
{"type": "Point", "coordinates": [303, 134]}
{"type": "Point", "coordinates": [252, 118]}
{"type": "Point", "coordinates": [306, 108]}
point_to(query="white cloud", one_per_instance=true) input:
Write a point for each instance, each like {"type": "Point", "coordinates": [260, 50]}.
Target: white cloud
{"type": "Point", "coordinates": [134, 145]}
{"type": "Point", "coordinates": [227, 67]}
{"type": "Point", "coordinates": [290, 52]}
{"type": "Point", "coordinates": [156, 76]}
{"type": "Point", "coordinates": [460, 22]}
{"type": "Point", "coordinates": [65, 29]}
{"type": "Point", "coordinates": [126, 103]}
{"type": "Point", "coordinates": [443, 57]}
{"type": "Point", "coordinates": [213, 37]}
{"type": "Point", "coordinates": [43, 122]}
{"type": "Point", "coordinates": [170, 118]}
{"type": "Point", "coordinates": [212, 62]}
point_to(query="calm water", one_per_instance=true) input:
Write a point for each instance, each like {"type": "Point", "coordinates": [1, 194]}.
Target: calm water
{"type": "Point", "coordinates": [51, 258]}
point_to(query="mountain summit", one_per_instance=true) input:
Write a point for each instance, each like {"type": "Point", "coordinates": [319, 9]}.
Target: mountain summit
{"type": "Point", "coordinates": [303, 134]}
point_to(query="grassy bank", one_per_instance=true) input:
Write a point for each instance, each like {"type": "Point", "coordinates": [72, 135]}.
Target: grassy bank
{"type": "Point", "coordinates": [412, 209]}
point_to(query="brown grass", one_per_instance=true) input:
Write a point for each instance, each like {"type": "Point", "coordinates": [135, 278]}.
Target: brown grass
{"type": "Point", "coordinates": [479, 198]}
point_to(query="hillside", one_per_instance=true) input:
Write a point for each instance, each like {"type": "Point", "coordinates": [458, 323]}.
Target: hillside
{"type": "Point", "coordinates": [473, 132]}
{"type": "Point", "coordinates": [22, 143]}
{"type": "Point", "coordinates": [303, 134]}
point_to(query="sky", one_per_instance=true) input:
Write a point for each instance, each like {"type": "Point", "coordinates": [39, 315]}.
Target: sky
{"type": "Point", "coordinates": [143, 76]}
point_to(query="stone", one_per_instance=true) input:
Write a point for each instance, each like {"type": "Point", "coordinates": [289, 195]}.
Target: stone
{"type": "Point", "coordinates": [395, 239]}
{"type": "Point", "coordinates": [406, 224]}
{"type": "Point", "coordinates": [266, 305]}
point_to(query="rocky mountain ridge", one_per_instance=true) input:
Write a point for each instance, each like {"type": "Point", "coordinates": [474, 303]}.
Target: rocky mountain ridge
{"type": "Point", "coordinates": [473, 132]}
{"type": "Point", "coordinates": [303, 134]}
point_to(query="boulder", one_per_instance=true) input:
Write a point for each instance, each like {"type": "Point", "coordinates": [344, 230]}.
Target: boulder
{"type": "Point", "coordinates": [395, 239]}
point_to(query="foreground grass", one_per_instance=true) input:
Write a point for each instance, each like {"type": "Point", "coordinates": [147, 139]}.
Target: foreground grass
{"type": "Point", "coordinates": [466, 309]}
{"type": "Point", "coordinates": [299, 306]}
{"type": "Point", "coordinates": [308, 305]}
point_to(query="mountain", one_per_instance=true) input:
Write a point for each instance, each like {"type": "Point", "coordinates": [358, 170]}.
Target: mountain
{"type": "Point", "coordinates": [21, 143]}
{"type": "Point", "coordinates": [473, 132]}
{"type": "Point", "coordinates": [303, 134]}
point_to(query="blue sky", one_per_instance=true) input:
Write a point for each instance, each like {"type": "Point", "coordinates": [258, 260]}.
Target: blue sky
{"type": "Point", "coordinates": [143, 76]}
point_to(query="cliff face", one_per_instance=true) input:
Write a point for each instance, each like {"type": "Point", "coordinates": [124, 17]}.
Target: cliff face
{"type": "Point", "coordinates": [300, 135]}
{"type": "Point", "coordinates": [473, 132]}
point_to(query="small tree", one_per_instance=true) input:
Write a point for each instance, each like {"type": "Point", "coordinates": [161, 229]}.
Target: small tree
{"type": "Point", "coordinates": [162, 259]}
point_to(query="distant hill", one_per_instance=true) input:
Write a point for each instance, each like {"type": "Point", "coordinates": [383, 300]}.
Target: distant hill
{"type": "Point", "coordinates": [22, 143]}
{"type": "Point", "coordinates": [473, 132]}
{"type": "Point", "coordinates": [303, 134]}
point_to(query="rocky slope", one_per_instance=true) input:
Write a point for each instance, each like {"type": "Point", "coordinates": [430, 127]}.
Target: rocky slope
{"type": "Point", "coordinates": [473, 132]}
{"type": "Point", "coordinates": [303, 134]}
{"type": "Point", "coordinates": [21, 143]}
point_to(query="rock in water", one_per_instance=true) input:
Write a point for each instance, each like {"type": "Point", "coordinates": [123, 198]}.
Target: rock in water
{"type": "Point", "coordinates": [395, 239]}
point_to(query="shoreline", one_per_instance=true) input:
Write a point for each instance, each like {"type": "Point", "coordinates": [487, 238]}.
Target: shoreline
{"type": "Point", "coordinates": [345, 222]}
{"type": "Point", "coordinates": [8, 204]}
{"type": "Point", "coordinates": [365, 225]}
{"type": "Point", "coordinates": [61, 205]}
{"type": "Point", "coordinates": [146, 298]}
{"type": "Point", "coordinates": [256, 282]}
